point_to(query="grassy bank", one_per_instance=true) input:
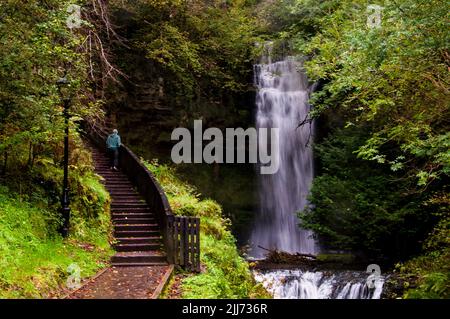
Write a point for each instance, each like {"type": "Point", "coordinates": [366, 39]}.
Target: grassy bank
{"type": "Point", "coordinates": [225, 274]}
{"type": "Point", "coordinates": [34, 259]}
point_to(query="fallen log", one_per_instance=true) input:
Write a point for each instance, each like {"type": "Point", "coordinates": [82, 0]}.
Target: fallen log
{"type": "Point", "coordinates": [278, 256]}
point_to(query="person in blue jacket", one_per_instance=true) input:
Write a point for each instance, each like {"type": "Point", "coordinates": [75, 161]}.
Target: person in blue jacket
{"type": "Point", "coordinates": [112, 145]}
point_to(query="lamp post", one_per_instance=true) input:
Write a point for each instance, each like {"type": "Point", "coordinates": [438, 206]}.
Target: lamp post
{"type": "Point", "coordinates": [65, 209]}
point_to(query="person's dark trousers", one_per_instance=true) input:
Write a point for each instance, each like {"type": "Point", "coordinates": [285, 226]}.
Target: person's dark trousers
{"type": "Point", "coordinates": [113, 154]}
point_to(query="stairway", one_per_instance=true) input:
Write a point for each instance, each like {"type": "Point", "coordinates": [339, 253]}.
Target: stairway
{"type": "Point", "coordinates": [137, 235]}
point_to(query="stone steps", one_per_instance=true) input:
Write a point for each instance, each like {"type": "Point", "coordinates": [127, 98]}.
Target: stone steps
{"type": "Point", "coordinates": [137, 235]}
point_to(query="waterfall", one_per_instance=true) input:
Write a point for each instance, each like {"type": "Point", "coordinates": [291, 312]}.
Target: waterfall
{"type": "Point", "coordinates": [298, 284]}
{"type": "Point", "coordinates": [282, 102]}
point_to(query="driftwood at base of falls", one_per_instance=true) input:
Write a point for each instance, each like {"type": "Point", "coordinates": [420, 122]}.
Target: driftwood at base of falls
{"type": "Point", "coordinates": [276, 259]}
{"type": "Point", "coordinates": [282, 255]}
{"type": "Point", "coordinates": [279, 256]}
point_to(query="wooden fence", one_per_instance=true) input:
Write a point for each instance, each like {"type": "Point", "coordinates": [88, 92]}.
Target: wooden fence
{"type": "Point", "coordinates": [185, 233]}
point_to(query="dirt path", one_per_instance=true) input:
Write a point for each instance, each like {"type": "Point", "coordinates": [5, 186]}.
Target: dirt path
{"type": "Point", "coordinates": [125, 283]}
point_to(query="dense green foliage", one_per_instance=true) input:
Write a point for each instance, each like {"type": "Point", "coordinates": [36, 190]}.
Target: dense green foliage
{"type": "Point", "coordinates": [371, 210]}
{"type": "Point", "coordinates": [34, 258]}
{"type": "Point", "coordinates": [394, 79]}
{"type": "Point", "coordinates": [36, 49]}
{"type": "Point", "coordinates": [225, 274]}
{"type": "Point", "coordinates": [193, 58]}
{"type": "Point", "coordinates": [383, 101]}
{"type": "Point", "coordinates": [200, 43]}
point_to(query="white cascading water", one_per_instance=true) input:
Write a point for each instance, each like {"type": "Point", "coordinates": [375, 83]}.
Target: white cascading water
{"type": "Point", "coordinates": [297, 284]}
{"type": "Point", "coordinates": [282, 102]}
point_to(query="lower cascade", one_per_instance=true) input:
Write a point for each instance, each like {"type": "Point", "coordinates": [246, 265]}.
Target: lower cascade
{"type": "Point", "coordinates": [298, 284]}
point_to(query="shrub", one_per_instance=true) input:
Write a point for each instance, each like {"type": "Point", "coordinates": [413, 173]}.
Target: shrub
{"type": "Point", "coordinates": [225, 274]}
